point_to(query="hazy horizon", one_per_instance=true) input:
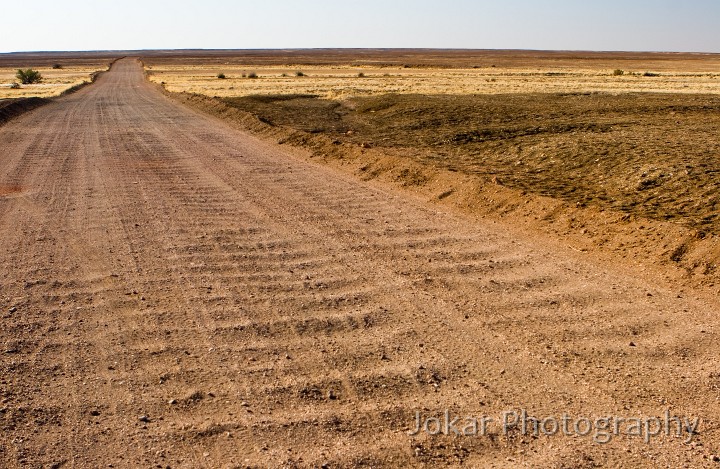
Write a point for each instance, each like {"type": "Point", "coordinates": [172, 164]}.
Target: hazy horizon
{"type": "Point", "coordinates": [545, 25]}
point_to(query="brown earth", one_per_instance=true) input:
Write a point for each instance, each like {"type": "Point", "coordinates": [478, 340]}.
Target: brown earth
{"type": "Point", "coordinates": [602, 174]}
{"type": "Point", "coordinates": [11, 108]}
{"type": "Point", "coordinates": [647, 155]}
{"type": "Point", "coordinates": [176, 293]}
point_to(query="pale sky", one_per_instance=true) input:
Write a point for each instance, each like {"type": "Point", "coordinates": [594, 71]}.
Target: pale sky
{"type": "Point", "coordinates": [628, 25]}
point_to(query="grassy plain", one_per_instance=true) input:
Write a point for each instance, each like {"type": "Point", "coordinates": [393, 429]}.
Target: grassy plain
{"type": "Point", "coordinates": [54, 81]}
{"type": "Point", "coordinates": [339, 82]}
{"type": "Point", "coordinates": [76, 68]}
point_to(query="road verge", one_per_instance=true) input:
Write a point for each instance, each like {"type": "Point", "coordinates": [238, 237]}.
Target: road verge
{"type": "Point", "coordinates": [684, 256]}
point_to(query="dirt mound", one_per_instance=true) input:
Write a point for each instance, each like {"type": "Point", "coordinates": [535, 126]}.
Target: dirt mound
{"type": "Point", "coordinates": [613, 174]}
{"type": "Point", "coordinates": [11, 108]}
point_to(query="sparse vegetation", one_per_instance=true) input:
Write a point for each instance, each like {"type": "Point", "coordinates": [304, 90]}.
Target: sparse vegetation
{"type": "Point", "coordinates": [221, 76]}
{"type": "Point", "coordinates": [651, 74]}
{"type": "Point", "coordinates": [618, 72]}
{"type": "Point", "coordinates": [361, 75]}
{"type": "Point", "coordinates": [57, 66]}
{"type": "Point", "coordinates": [339, 82]}
{"type": "Point", "coordinates": [252, 75]}
{"type": "Point", "coordinates": [54, 82]}
{"type": "Point", "coordinates": [660, 177]}
{"type": "Point", "coordinates": [28, 76]}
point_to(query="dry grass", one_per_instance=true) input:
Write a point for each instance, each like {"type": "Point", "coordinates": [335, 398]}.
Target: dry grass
{"type": "Point", "coordinates": [54, 81]}
{"type": "Point", "coordinates": [340, 82]}
{"type": "Point", "coordinates": [648, 155]}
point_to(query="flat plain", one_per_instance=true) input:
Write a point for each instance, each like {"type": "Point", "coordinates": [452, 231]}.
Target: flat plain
{"type": "Point", "coordinates": [257, 274]}
{"type": "Point", "coordinates": [60, 72]}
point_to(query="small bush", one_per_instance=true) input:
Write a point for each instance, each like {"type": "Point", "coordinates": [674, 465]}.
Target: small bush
{"type": "Point", "coordinates": [221, 76]}
{"type": "Point", "coordinates": [618, 72]}
{"type": "Point", "coordinates": [651, 74]}
{"type": "Point", "coordinates": [252, 75]}
{"type": "Point", "coordinates": [361, 75]}
{"type": "Point", "coordinates": [57, 66]}
{"type": "Point", "coordinates": [284, 75]}
{"type": "Point", "coordinates": [15, 86]}
{"type": "Point", "coordinates": [299, 74]}
{"type": "Point", "coordinates": [29, 76]}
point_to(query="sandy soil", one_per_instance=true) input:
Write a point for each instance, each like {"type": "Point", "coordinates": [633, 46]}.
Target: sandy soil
{"type": "Point", "coordinates": [176, 293]}
{"type": "Point", "coordinates": [643, 190]}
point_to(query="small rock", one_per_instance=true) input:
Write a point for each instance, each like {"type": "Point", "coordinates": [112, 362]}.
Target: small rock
{"type": "Point", "coordinates": [331, 395]}
{"type": "Point", "coordinates": [244, 404]}
{"type": "Point", "coordinates": [95, 413]}
{"type": "Point", "coordinates": [632, 344]}
{"type": "Point", "coordinates": [144, 418]}
{"type": "Point", "coordinates": [13, 309]}
{"type": "Point", "coordinates": [172, 401]}
{"type": "Point", "coordinates": [716, 458]}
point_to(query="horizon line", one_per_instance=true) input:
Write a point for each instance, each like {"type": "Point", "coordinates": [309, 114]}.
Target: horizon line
{"type": "Point", "coordinates": [294, 49]}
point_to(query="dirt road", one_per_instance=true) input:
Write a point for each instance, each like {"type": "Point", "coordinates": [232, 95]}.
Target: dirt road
{"type": "Point", "coordinates": [175, 293]}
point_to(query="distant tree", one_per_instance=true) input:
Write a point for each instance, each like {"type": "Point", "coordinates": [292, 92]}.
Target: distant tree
{"type": "Point", "coordinates": [29, 76]}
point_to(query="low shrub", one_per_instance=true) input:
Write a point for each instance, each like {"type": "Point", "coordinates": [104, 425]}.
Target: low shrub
{"type": "Point", "coordinates": [28, 76]}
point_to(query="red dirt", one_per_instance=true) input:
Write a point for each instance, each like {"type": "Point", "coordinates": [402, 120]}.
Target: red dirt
{"type": "Point", "coordinates": [177, 293]}
{"type": "Point", "coordinates": [9, 190]}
